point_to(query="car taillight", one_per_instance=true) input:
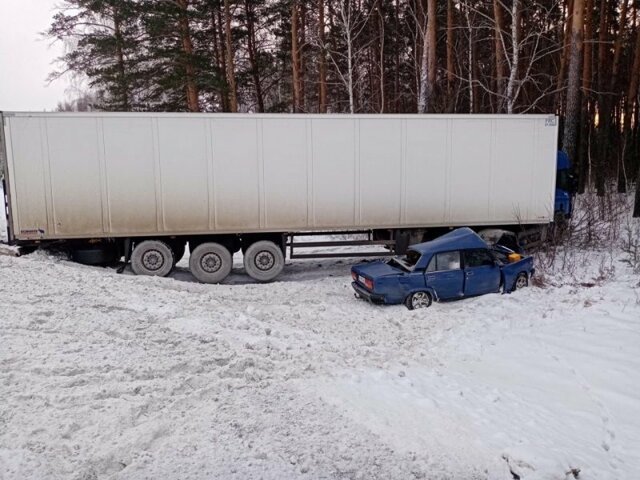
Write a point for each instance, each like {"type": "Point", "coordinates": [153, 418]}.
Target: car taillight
{"type": "Point", "coordinates": [354, 275]}
{"type": "Point", "coordinates": [368, 283]}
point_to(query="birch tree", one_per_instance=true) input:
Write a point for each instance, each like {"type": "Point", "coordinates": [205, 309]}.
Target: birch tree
{"type": "Point", "coordinates": [428, 64]}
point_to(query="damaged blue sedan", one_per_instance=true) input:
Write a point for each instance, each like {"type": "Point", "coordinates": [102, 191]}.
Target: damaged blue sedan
{"type": "Point", "coordinates": [456, 265]}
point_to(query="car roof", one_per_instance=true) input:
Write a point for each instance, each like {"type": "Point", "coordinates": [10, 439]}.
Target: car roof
{"type": "Point", "coordinates": [458, 239]}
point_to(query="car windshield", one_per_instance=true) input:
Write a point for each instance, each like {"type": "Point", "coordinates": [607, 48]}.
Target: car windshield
{"type": "Point", "coordinates": [406, 262]}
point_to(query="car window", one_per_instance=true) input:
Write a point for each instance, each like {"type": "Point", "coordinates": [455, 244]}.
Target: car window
{"type": "Point", "coordinates": [477, 258]}
{"type": "Point", "coordinates": [432, 264]}
{"type": "Point", "coordinates": [444, 261]}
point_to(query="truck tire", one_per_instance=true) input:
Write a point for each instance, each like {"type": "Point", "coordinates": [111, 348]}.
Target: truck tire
{"type": "Point", "coordinates": [210, 262]}
{"type": "Point", "coordinates": [152, 257]}
{"type": "Point", "coordinates": [263, 261]}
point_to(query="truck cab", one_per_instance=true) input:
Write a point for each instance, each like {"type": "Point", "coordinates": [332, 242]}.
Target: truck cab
{"type": "Point", "coordinates": [565, 187]}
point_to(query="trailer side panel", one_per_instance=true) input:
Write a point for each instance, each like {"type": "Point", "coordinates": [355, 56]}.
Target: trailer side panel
{"type": "Point", "coordinates": [120, 175]}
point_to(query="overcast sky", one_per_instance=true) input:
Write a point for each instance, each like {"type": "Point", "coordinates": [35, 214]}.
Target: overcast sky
{"type": "Point", "coordinates": [26, 59]}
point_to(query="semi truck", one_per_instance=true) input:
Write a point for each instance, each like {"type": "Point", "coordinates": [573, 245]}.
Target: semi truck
{"type": "Point", "coordinates": [144, 186]}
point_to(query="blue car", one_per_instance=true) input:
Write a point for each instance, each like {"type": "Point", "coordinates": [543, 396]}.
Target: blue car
{"type": "Point", "coordinates": [456, 265]}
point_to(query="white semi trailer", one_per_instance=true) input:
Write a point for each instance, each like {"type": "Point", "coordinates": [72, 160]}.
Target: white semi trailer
{"type": "Point", "coordinates": [144, 185]}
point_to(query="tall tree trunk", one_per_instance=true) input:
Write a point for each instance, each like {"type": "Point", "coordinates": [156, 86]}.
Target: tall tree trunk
{"type": "Point", "coordinates": [470, 57]}
{"type": "Point", "coordinates": [252, 50]}
{"type": "Point", "coordinates": [602, 104]}
{"type": "Point", "coordinates": [499, 53]}
{"type": "Point", "coordinates": [322, 64]}
{"type": "Point", "coordinates": [346, 12]}
{"type": "Point", "coordinates": [396, 58]}
{"type": "Point", "coordinates": [607, 88]}
{"type": "Point", "coordinates": [632, 97]}
{"type": "Point", "coordinates": [588, 49]}
{"type": "Point", "coordinates": [428, 70]}
{"type": "Point", "coordinates": [617, 49]}
{"type": "Point", "coordinates": [378, 55]}
{"type": "Point", "coordinates": [450, 57]}
{"type": "Point", "coordinates": [602, 47]}
{"type": "Point", "coordinates": [219, 48]}
{"type": "Point", "coordinates": [124, 84]}
{"type": "Point", "coordinates": [475, 76]}
{"type": "Point", "coordinates": [564, 54]}
{"type": "Point", "coordinates": [302, 35]}
{"type": "Point", "coordinates": [515, 58]}
{"type": "Point", "coordinates": [231, 74]}
{"type": "Point", "coordinates": [193, 102]}
{"type": "Point", "coordinates": [609, 101]}
{"type": "Point", "coordinates": [295, 59]}
{"type": "Point", "coordinates": [585, 123]}
{"type": "Point", "coordinates": [572, 120]}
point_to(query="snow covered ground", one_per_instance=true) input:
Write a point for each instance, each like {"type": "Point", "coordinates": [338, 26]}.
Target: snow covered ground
{"type": "Point", "coordinates": [122, 377]}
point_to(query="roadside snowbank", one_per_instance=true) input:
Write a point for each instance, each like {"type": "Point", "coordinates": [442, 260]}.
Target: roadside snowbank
{"type": "Point", "coordinates": [116, 376]}
{"type": "Point", "coordinates": [106, 375]}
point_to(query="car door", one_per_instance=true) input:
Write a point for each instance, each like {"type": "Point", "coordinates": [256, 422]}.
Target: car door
{"type": "Point", "coordinates": [481, 272]}
{"type": "Point", "coordinates": [445, 276]}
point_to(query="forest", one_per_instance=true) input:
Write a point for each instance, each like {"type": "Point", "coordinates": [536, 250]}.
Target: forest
{"type": "Point", "coordinates": [579, 59]}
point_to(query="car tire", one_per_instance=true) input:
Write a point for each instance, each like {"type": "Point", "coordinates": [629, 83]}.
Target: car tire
{"type": "Point", "coordinates": [522, 281]}
{"type": "Point", "coordinates": [418, 300]}
{"type": "Point", "coordinates": [263, 261]}
{"type": "Point", "coordinates": [152, 257]}
{"type": "Point", "coordinates": [210, 262]}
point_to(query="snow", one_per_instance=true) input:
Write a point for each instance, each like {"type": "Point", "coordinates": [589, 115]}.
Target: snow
{"type": "Point", "coordinates": [117, 376]}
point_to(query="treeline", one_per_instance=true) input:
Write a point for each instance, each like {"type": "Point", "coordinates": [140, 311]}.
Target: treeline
{"type": "Point", "coordinates": [577, 58]}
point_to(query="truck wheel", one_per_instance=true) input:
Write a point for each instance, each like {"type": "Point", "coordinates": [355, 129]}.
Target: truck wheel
{"type": "Point", "coordinates": [263, 261]}
{"type": "Point", "coordinates": [418, 300]}
{"type": "Point", "coordinates": [152, 257]}
{"type": "Point", "coordinates": [210, 262]}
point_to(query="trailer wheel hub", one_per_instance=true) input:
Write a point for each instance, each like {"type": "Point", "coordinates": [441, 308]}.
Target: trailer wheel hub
{"type": "Point", "coordinates": [152, 260]}
{"type": "Point", "coordinates": [265, 260]}
{"type": "Point", "coordinates": [211, 262]}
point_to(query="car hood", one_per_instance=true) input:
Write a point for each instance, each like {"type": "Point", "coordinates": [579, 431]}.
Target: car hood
{"type": "Point", "coordinates": [376, 270]}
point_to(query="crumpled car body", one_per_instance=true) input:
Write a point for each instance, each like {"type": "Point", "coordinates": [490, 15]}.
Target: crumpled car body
{"type": "Point", "coordinates": [456, 265]}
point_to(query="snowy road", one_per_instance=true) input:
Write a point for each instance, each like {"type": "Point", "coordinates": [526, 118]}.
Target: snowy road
{"type": "Point", "coordinates": [115, 376]}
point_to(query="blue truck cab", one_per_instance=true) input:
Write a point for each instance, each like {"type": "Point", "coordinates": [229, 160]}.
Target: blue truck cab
{"type": "Point", "coordinates": [565, 186]}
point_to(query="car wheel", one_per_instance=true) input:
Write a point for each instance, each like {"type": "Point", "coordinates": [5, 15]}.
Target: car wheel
{"type": "Point", "coordinates": [418, 300]}
{"type": "Point", "coordinates": [521, 281]}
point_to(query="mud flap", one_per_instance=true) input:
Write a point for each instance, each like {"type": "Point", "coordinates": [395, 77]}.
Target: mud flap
{"type": "Point", "coordinates": [128, 244]}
